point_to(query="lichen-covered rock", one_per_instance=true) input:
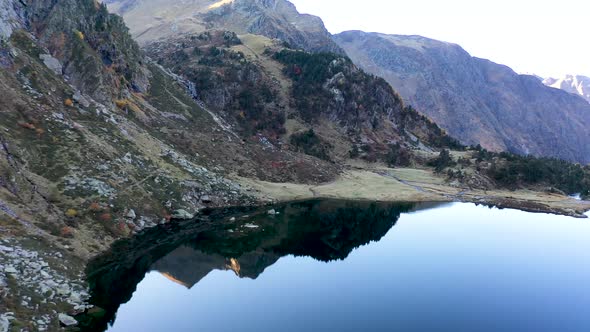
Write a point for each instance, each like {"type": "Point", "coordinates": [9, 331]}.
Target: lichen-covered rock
{"type": "Point", "coordinates": [52, 63]}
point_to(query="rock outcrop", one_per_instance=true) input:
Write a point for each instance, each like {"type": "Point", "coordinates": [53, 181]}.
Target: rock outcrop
{"type": "Point", "coordinates": [10, 17]}
{"type": "Point", "coordinates": [476, 100]}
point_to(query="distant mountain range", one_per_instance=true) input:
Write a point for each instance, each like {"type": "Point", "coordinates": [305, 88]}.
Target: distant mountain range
{"type": "Point", "coordinates": [575, 84]}
{"type": "Point", "coordinates": [476, 100]}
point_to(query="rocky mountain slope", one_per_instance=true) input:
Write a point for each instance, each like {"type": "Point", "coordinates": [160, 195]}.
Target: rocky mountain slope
{"type": "Point", "coordinates": [99, 142]}
{"type": "Point", "coordinates": [319, 104]}
{"type": "Point", "coordinates": [151, 20]}
{"type": "Point", "coordinates": [574, 84]}
{"type": "Point", "coordinates": [98, 138]}
{"type": "Point", "coordinates": [101, 137]}
{"type": "Point", "coordinates": [476, 100]}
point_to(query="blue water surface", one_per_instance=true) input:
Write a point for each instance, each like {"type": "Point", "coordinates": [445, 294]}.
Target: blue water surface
{"type": "Point", "coordinates": [456, 267]}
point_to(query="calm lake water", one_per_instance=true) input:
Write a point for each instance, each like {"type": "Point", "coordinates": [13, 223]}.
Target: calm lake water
{"type": "Point", "coordinates": [338, 266]}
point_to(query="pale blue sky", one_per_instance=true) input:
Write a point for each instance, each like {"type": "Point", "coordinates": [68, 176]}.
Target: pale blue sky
{"type": "Point", "coordinates": [549, 38]}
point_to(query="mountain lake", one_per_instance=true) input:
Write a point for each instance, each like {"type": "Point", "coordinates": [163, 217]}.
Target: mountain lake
{"type": "Point", "coordinates": [327, 265]}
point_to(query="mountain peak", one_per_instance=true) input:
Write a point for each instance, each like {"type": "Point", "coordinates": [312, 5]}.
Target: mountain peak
{"type": "Point", "coordinates": [574, 84]}
{"type": "Point", "coordinates": [152, 20]}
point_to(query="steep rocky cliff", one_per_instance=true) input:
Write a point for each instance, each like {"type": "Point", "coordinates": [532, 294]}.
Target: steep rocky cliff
{"type": "Point", "coordinates": [476, 100]}
{"type": "Point", "coordinates": [152, 20]}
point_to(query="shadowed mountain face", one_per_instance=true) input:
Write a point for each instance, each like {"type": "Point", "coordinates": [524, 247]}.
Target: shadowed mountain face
{"type": "Point", "coordinates": [151, 20]}
{"type": "Point", "coordinates": [186, 253]}
{"type": "Point", "coordinates": [476, 100]}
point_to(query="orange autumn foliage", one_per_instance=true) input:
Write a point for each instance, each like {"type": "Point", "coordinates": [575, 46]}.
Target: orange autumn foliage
{"type": "Point", "coordinates": [40, 132]}
{"type": "Point", "coordinates": [79, 34]}
{"type": "Point", "coordinates": [95, 207]}
{"type": "Point", "coordinates": [27, 125]}
{"type": "Point", "coordinates": [105, 217]}
{"type": "Point", "coordinates": [67, 232]}
{"type": "Point", "coordinates": [122, 104]}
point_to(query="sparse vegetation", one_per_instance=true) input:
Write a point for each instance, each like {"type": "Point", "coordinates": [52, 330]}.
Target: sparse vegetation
{"type": "Point", "coordinates": [227, 81]}
{"type": "Point", "coordinates": [431, 133]}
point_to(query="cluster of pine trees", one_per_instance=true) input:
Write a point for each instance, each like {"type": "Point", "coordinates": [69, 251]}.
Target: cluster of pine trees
{"type": "Point", "coordinates": [510, 170]}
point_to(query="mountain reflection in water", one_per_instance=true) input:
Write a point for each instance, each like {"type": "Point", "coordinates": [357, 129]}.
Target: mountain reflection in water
{"type": "Point", "coordinates": [185, 253]}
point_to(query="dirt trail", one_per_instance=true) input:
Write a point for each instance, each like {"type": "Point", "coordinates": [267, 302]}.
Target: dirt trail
{"type": "Point", "coordinates": [407, 183]}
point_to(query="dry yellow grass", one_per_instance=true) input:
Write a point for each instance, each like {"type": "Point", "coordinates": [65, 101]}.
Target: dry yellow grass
{"type": "Point", "coordinates": [253, 46]}
{"type": "Point", "coordinates": [415, 185]}
{"type": "Point", "coordinates": [421, 176]}
{"type": "Point", "coordinates": [353, 185]}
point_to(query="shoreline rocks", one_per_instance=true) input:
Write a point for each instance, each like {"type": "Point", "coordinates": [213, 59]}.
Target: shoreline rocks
{"type": "Point", "coordinates": [41, 281]}
{"type": "Point", "coordinates": [67, 321]}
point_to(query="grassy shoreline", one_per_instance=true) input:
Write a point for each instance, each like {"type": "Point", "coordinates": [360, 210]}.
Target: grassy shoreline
{"type": "Point", "coordinates": [414, 185]}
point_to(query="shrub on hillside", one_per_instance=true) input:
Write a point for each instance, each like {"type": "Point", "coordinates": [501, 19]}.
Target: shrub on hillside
{"type": "Point", "coordinates": [398, 156]}
{"type": "Point", "coordinates": [310, 143]}
{"type": "Point", "coordinates": [443, 161]}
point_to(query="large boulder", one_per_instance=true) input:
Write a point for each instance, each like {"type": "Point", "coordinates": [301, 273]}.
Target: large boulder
{"type": "Point", "coordinates": [182, 215]}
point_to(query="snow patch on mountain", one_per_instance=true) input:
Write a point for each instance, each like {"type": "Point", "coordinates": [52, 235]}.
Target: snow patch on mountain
{"type": "Point", "coordinates": [575, 84]}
